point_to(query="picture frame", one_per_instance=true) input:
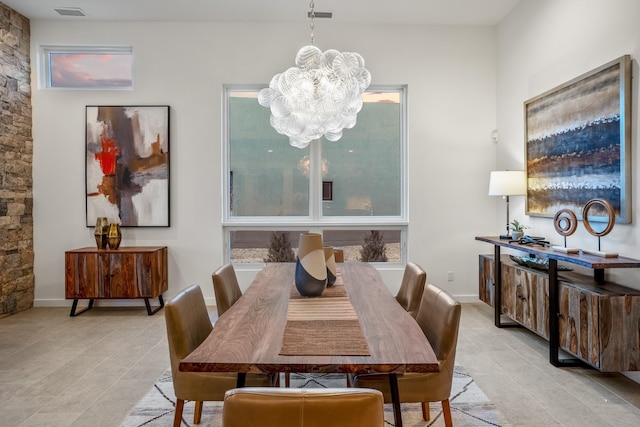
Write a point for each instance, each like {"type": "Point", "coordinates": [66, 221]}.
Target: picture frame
{"type": "Point", "coordinates": [578, 144]}
{"type": "Point", "coordinates": [127, 165]}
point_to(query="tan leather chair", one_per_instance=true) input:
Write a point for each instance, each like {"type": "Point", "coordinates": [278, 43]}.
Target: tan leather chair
{"type": "Point", "coordinates": [411, 288]}
{"type": "Point", "coordinates": [225, 287]}
{"type": "Point", "coordinates": [316, 407]}
{"type": "Point", "coordinates": [439, 318]}
{"type": "Point", "coordinates": [188, 324]}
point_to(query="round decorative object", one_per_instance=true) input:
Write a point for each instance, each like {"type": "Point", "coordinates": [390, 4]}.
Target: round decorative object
{"type": "Point", "coordinates": [565, 222]}
{"type": "Point", "coordinates": [329, 259]}
{"type": "Point", "coordinates": [311, 269]}
{"type": "Point", "coordinates": [611, 216]}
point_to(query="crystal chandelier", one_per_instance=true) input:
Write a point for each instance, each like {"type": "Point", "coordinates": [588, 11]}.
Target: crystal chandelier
{"type": "Point", "coordinates": [321, 95]}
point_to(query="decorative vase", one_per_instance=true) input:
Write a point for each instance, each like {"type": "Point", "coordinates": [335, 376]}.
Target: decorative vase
{"type": "Point", "coordinates": [330, 261]}
{"type": "Point", "coordinates": [516, 235]}
{"type": "Point", "coordinates": [100, 233]}
{"type": "Point", "coordinates": [311, 269]}
{"type": "Point", "coordinates": [115, 236]}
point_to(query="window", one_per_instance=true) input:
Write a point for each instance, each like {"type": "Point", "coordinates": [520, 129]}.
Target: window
{"type": "Point", "coordinates": [86, 67]}
{"type": "Point", "coordinates": [353, 191]}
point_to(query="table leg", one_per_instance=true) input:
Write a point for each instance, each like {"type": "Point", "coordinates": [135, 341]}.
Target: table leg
{"type": "Point", "coordinates": [395, 399]}
{"type": "Point", "coordinates": [242, 378]}
{"type": "Point", "coordinates": [554, 320]}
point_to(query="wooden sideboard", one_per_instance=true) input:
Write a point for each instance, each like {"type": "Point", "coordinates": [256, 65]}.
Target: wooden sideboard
{"type": "Point", "coordinates": [592, 319]}
{"type": "Point", "coordinates": [138, 272]}
{"type": "Point", "coordinates": [597, 324]}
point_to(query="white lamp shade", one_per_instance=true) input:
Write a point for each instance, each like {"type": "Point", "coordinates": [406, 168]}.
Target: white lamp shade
{"type": "Point", "coordinates": [507, 183]}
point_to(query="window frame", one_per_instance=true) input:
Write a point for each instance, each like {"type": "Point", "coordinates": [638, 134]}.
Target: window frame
{"type": "Point", "coordinates": [44, 63]}
{"type": "Point", "coordinates": [315, 222]}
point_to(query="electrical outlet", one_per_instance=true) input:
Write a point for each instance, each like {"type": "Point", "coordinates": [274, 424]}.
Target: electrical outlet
{"type": "Point", "coordinates": [450, 276]}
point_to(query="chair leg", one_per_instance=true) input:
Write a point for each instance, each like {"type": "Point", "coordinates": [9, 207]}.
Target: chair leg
{"type": "Point", "coordinates": [197, 413]}
{"type": "Point", "coordinates": [425, 411]}
{"type": "Point", "coordinates": [446, 411]}
{"type": "Point", "coordinates": [177, 418]}
{"type": "Point", "coordinates": [287, 379]}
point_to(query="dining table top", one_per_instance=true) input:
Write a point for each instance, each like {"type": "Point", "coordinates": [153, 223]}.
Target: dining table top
{"type": "Point", "coordinates": [248, 337]}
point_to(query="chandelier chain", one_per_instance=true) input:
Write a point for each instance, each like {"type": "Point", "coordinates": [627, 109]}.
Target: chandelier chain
{"type": "Point", "coordinates": [312, 15]}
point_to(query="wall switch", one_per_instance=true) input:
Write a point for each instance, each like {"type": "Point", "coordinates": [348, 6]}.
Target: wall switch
{"type": "Point", "coordinates": [450, 276]}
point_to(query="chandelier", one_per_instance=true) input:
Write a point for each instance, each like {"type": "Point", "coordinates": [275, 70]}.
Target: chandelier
{"type": "Point", "coordinates": [320, 96]}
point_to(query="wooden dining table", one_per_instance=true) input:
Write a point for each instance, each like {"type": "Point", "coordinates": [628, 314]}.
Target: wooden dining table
{"type": "Point", "coordinates": [248, 338]}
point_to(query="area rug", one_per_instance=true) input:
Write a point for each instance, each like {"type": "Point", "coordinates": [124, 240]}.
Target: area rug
{"type": "Point", "coordinates": [470, 407]}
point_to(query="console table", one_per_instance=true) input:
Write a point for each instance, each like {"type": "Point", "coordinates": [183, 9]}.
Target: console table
{"type": "Point", "coordinates": [598, 264]}
{"type": "Point", "coordinates": [124, 273]}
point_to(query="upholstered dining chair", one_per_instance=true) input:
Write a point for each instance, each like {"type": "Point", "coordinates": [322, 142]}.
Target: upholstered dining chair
{"type": "Point", "coordinates": [439, 318]}
{"type": "Point", "coordinates": [225, 287]}
{"type": "Point", "coordinates": [300, 407]}
{"type": "Point", "coordinates": [411, 288]}
{"type": "Point", "coordinates": [188, 324]}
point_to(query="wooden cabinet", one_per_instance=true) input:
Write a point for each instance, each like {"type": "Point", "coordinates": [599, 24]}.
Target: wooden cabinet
{"type": "Point", "coordinates": [598, 323]}
{"type": "Point", "coordinates": [124, 273]}
{"type": "Point", "coordinates": [525, 298]}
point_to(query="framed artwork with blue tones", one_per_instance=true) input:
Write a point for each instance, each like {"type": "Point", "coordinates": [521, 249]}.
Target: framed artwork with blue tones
{"type": "Point", "coordinates": [578, 144]}
{"type": "Point", "coordinates": [127, 165]}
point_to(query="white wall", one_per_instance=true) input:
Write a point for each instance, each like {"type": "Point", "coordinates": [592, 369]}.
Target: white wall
{"type": "Point", "coordinates": [542, 44]}
{"type": "Point", "coordinates": [451, 75]}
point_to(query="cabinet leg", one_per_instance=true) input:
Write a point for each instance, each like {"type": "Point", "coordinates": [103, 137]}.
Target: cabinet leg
{"type": "Point", "coordinates": [554, 321]}
{"type": "Point", "coordinates": [74, 306]}
{"type": "Point", "coordinates": [497, 292]}
{"type": "Point", "coordinates": [150, 311]}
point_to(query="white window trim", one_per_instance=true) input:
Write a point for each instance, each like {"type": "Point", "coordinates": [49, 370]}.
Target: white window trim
{"type": "Point", "coordinates": [44, 65]}
{"type": "Point", "coordinates": [315, 222]}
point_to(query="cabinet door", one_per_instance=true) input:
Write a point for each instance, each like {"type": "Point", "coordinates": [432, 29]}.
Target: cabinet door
{"type": "Point", "coordinates": [86, 275]}
{"type": "Point", "coordinates": [578, 323]}
{"type": "Point", "coordinates": [525, 298]}
{"type": "Point", "coordinates": [122, 276]}
{"type": "Point", "coordinates": [486, 286]}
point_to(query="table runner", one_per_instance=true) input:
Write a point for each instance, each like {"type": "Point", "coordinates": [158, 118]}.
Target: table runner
{"type": "Point", "coordinates": [326, 326]}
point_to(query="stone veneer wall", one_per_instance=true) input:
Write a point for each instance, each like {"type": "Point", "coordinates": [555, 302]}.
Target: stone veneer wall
{"type": "Point", "coordinates": [16, 154]}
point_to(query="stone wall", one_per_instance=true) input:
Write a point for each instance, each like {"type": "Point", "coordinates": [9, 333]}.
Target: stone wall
{"type": "Point", "coordinates": [16, 154]}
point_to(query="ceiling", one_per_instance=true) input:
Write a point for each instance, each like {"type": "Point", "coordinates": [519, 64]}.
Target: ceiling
{"type": "Point", "coordinates": [443, 12]}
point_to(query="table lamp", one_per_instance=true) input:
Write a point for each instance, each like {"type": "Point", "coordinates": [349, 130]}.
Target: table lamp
{"type": "Point", "coordinates": [505, 184]}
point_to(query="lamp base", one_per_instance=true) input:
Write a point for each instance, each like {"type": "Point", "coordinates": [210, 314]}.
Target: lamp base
{"type": "Point", "coordinates": [503, 237]}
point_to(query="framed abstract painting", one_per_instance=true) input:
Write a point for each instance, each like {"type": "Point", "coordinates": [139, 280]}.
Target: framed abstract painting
{"type": "Point", "coordinates": [127, 165]}
{"type": "Point", "coordinates": [578, 144]}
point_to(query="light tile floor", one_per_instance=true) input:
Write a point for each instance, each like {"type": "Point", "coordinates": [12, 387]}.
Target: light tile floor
{"type": "Point", "coordinates": [91, 370]}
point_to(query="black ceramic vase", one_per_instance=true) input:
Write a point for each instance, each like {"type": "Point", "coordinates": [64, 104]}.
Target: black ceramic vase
{"type": "Point", "coordinates": [311, 270]}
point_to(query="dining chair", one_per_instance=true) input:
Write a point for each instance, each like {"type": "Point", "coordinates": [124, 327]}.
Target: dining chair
{"type": "Point", "coordinates": [439, 318]}
{"type": "Point", "coordinates": [302, 407]}
{"type": "Point", "coordinates": [188, 324]}
{"type": "Point", "coordinates": [411, 288]}
{"type": "Point", "coordinates": [225, 287]}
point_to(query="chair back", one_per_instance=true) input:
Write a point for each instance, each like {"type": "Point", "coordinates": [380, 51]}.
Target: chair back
{"type": "Point", "coordinates": [439, 318]}
{"type": "Point", "coordinates": [316, 407]}
{"type": "Point", "coordinates": [411, 288]}
{"type": "Point", "coordinates": [188, 324]}
{"type": "Point", "coordinates": [225, 287]}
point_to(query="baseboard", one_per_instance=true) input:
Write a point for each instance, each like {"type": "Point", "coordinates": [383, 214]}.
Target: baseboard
{"type": "Point", "coordinates": [104, 302]}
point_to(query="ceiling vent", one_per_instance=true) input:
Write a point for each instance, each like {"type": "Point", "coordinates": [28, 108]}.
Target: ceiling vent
{"type": "Point", "coordinates": [70, 11]}
{"type": "Point", "coordinates": [321, 15]}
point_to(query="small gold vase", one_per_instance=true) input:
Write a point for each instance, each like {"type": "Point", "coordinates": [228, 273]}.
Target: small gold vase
{"type": "Point", "coordinates": [114, 237]}
{"type": "Point", "coordinates": [100, 233]}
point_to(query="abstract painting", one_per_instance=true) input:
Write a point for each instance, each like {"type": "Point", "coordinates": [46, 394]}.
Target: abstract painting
{"type": "Point", "coordinates": [127, 165]}
{"type": "Point", "coordinates": [578, 144]}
